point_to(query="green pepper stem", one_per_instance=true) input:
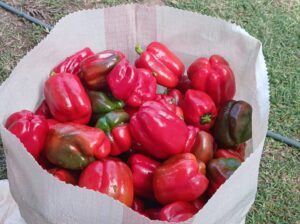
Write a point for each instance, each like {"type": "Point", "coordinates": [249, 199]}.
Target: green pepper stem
{"type": "Point", "coordinates": [139, 49]}
{"type": "Point", "coordinates": [206, 118]}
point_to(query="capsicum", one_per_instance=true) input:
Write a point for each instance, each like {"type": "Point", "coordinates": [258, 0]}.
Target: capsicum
{"type": "Point", "coordinates": [203, 147]}
{"type": "Point", "coordinates": [164, 64]}
{"type": "Point", "coordinates": [102, 103]}
{"type": "Point", "coordinates": [179, 179]}
{"type": "Point", "coordinates": [219, 170]}
{"type": "Point", "coordinates": [94, 69]}
{"type": "Point", "coordinates": [67, 99]}
{"type": "Point", "coordinates": [170, 103]}
{"type": "Point", "coordinates": [107, 122]}
{"type": "Point", "coordinates": [30, 128]}
{"type": "Point", "coordinates": [178, 211]}
{"type": "Point", "coordinates": [44, 110]}
{"type": "Point", "coordinates": [137, 205]}
{"type": "Point", "coordinates": [72, 63]}
{"type": "Point", "coordinates": [233, 125]}
{"type": "Point", "coordinates": [111, 177]}
{"type": "Point", "coordinates": [132, 85]}
{"type": "Point", "coordinates": [213, 76]}
{"type": "Point", "coordinates": [120, 139]}
{"type": "Point", "coordinates": [159, 131]}
{"type": "Point", "coordinates": [74, 146]}
{"type": "Point", "coordinates": [232, 153]}
{"type": "Point", "coordinates": [142, 168]}
{"type": "Point", "coordinates": [199, 109]}
{"type": "Point", "coordinates": [63, 175]}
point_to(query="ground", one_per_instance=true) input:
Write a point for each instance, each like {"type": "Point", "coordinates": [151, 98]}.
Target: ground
{"type": "Point", "coordinates": [275, 23]}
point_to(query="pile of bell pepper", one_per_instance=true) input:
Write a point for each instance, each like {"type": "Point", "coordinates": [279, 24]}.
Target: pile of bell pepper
{"type": "Point", "coordinates": [103, 125]}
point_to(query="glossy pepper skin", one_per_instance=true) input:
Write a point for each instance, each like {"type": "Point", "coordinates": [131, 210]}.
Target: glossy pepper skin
{"type": "Point", "coordinates": [94, 69]}
{"type": "Point", "coordinates": [213, 76]}
{"type": "Point", "coordinates": [73, 146]}
{"type": "Point", "coordinates": [120, 139]}
{"type": "Point", "coordinates": [219, 170]}
{"type": "Point", "coordinates": [72, 63]}
{"type": "Point", "coordinates": [232, 153]}
{"type": "Point", "coordinates": [164, 64]}
{"type": "Point", "coordinates": [233, 125]}
{"type": "Point", "coordinates": [31, 129]}
{"type": "Point", "coordinates": [67, 99]}
{"type": "Point", "coordinates": [102, 103]}
{"type": "Point", "coordinates": [138, 205]}
{"type": "Point", "coordinates": [203, 147]}
{"type": "Point", "coordinates": [170, 103]}
{"type": "Point", "coordinates": [44, 110]}
{"type": "Point", "coordinates": [142, 168]}
{"type": "Point", "coordinates": [133, 86]}
{"type": "Point", "coordinates": [191, 138]}
{"type": "Point", "coordinates": [111, 177]}
{"type": "Point", "coordinates": [179, 179]}
{"type": "Point", "coordinates": [178, 211]}
{"type": "Point", "coordinates": [176, 95]}
{"type": "Point", "coordinates": [154, 125]}
{"type": "Point", "coordinates": [63, 175]}
{"type": "Point", "coordinates": [199, 109]}
{"type": "Point", "coordinates": [112, 119]}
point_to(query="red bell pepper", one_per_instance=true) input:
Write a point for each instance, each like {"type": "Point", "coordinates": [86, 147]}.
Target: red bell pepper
{"type": "Point", "coordinates": [74, 146]}
{"type": "Point", "coordinates": [153, 127]}
{"type": "Point", "coordinates": [120, 139]}
{"type": "Point", "coordinates": [44, 110]}
{"type": "Point", "coordinates": [71, 63]}
{"type": "Point", "coordinates": [138, 205]}
{"type": "Point", "coordinates": [199, 109]}
{"type": "Point", "coordinates": [199, 202]}
{"type": "Point", "coordinates": [179, 179]}
{"type": "Point", "coordinates": [165, 65]}
{"type": "Point", "coordinates": [170, 103]}
{"type": "Point", "coordinates": [219, 170]}
{"type": "Point", "coordinates": [111, 177]}
{"type": "Point", "coordinates": [67, 99]}
{"type": "Point", "coordinates": [191, 138]}
{"type": "Point", "coordinates": [94, 69]}
{"type": "Point", "coordinates": [31, 129]}
{"type": "Point", "coordinates": [142, 168]}
{"type": "Point", "coordinates": [213, 76]}
{"type": "Point", "coordinates": [176, 95]}
{"type": "Point", "coordinates": [232, 153]}
{"type": "Point", "coordinates": [178, 211]}
{"type": "Point", "coordinates": [203, 148]}
{"type": "Point", "coordinates": [133, 86]}
{"type": "Point", "coordinates": [63, 175]}
{"type": "Point", "coordinates": [51, 122]}
{"type": "Point", "coordinates": [202, 167]}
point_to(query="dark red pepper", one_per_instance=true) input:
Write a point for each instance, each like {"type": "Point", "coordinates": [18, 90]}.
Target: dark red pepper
{"type": "Point", "coordinates": [67, 99]}
{"type": "Point", "coordinates": [71, 63]}
{"type": "Point", "coordinates": [133, 86]}
{"type": "Point", "coordinates": [94, 69]}
{"type": "Point", "coordinates": [184, 84]}
{"type": "Point", "coordinates": [142, 168]}
{"type": "Point", "coordinates": [213, 76]}
{"type": "Point", "coordinates": [164, 64]}
{"type": "Point", "coordinates": [170, 103]}
{"type": "Point", "coordinates": [30, 128]}
{"type": "Point", "coordinates": [199, 109]}
{"type": "Point", "coordinates": [219, 170]}
{"type": "Point", "coordinates": [203, 148]}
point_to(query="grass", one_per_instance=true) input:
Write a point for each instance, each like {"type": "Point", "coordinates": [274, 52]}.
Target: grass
{"type": "Point", "coordinates": [275, 23]}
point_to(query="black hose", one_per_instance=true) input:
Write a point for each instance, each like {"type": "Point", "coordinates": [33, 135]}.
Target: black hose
{"type": "Point", "coordinates": [271, 134]}
{"type": "Point", "coordinates": [24, 15]}
{"type": "Point", "coordinates": [283, 139]}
